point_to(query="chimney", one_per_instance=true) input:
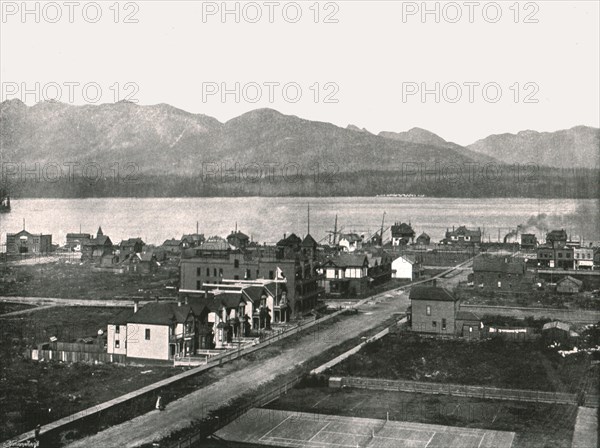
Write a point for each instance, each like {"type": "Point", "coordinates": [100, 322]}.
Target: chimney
{"type": "Point", "coordinates": [136, 304]}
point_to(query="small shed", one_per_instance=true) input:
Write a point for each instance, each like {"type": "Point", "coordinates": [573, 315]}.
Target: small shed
{"type": "Point", "coordinates": [569, 285]}
{"type": "Point", "coordinates": [558, 332]}
{"type": "Point", "coordinates": [468, 325]}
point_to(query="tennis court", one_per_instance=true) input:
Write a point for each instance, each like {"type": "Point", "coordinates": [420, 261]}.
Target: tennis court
{"type": "Point", "coordinates": [300, 429]}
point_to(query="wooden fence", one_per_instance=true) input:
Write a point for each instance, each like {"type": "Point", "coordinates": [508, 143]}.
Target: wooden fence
{"type": "Point", "coordinates": [74, 356]}
{"type": "Point", "coordinates": [460, 390]}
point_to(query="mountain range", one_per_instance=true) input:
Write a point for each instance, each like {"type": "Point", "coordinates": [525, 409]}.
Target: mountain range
{"type": "Point", "coordinates": [164, 140]}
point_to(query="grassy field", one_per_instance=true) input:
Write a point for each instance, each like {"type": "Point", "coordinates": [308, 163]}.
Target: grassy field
{"type": "Point", "coordinates": [488, 362]}
{"type": "Point", "coordinates": [79, 281]}
{"type": "Point", "coordinates": [536, 425]}
{"type": "Point", "coordinates": [32, 392]}
{"type": "Point", "coordinates": [6, 308]}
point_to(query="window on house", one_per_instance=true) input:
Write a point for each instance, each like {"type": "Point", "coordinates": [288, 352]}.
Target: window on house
{"type": "Point", "coordinates": [248, 273]}
{"type": "Point", "coordinates": [215, 272]}
{"type": "Point", "coordinates": [199, 284]}
{"type": "Point", "coordinates": [220, 272]}
{"type": "Point", "coordinates": [567, 255]}
{"type": "Point", "coordinates": [198, 272]}
{"type": "Point", "coordinates": [428, 310]}
{"type": "Point", "coordinates": [443, 324]}
{"type": "Point", "coordinates": [560, 255]}
{"type": "Point", "coordinates": [236, 277]}
{"type": "Point", "coordinates": [236, 263]}
{"type": "Point", "coordinates": [208, 272]}
{"type": "Point", "coordinates": [147, 334]}
{"type": "Point", "coordinates": [117, 343]}
{"type": "Point", "coordinates": [117, 329]}
{"type": "Point", "coordinates": [257, 273]}
{"type": "Point", "coordinates": [434, 324]}
{"type": "Point", "coordinates": [470, 329]}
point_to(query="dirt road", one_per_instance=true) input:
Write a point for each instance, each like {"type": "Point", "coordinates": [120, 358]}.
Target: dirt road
{"type": "Point", "coordinates": [178, 414]}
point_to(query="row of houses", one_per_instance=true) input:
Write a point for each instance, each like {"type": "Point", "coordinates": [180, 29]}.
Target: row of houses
{"type": "Point", "coordinates": [216, 317]}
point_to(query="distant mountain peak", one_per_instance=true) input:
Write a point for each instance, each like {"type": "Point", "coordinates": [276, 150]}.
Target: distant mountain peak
{"type": "Point", "coordinates": [416, 135]}
{"type": "Point", "coordinates": [568, 148]}
{"type": "Point", "coordinates": [352, 127]}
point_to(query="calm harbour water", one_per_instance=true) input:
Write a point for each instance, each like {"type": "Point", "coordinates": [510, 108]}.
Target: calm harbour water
{"type": "Point", "coordinates": [267, 219]}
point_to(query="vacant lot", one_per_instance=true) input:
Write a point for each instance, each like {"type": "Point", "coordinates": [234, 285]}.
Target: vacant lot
{"type": "Point", "coordinates": [12, 307]}
{"type": "Point", "coordinates": [80, 281]}
{"type": "Point", "coordinates": [536, 425]}
{"type": "Point", "coordinates": [32, 392]}
{"type": "Point", "coordinates": [489, 362]}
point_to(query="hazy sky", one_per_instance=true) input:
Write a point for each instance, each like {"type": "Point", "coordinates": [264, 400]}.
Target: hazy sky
{"type": "Point", "coordinates": [375, 61]}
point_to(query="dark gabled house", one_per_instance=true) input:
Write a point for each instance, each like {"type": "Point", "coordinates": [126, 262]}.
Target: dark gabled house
{"type": "Point", "coordinates": [238, 239]}
{"type": "Point", "coordinates": [172, 246]}
{"type": "Point", "coordinates": [463, 236]}
{"type": "Point", "coordinates": [501, 273]}
{"type": "Point", "coordinates": [158, 330]}
{"type": "Point", "coordinates": [131, 246]}
{"type": "Point", "coordinates": [435, 310]}
{"type": "Point", "coordinates": [402, 234]}
{"type": "Point", "coordinates": [309, 246]}
{"type": "Point", "coordinates": [424, 239]}
{"type": "Point", "coordinates": [192, 240]}
{"type": "Point", "coordinates": [569, 285]}
{"type": "Point", "coordinates": [140, 263]}
{"type": "Point", "coordinates": [98, 247]}
{"type": "Point", "coordinates": [346, 275]}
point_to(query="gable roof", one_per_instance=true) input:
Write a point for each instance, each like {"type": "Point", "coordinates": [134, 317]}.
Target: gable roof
{"type": "Point", "coordinates": [239, 235]}
{"type": "Point", "coordinates": [172, 242]}
{"type": "Point", "coordinates": [431, 293]}
{"type": "Point", "coordinates": [424, 236]}
{"type": "Point", "coordinates": [349, 260]}
{"type": "Point", "coordinates": [570, 279]}
{"type": "Point", "coordinates": [291, 240]}
{"type": "Point", "coordinates": [557, 324]}
{"type": "Point", "coordinates": [408, 258]}
{"type": "Point", "coordinates": [402, 228]}
{"type": "Point", "coordinates": [161, 313]}
{"type": "Point", "coordinates": [228, 299]}
{"type": "Point", "coordinates": [309, 241]}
